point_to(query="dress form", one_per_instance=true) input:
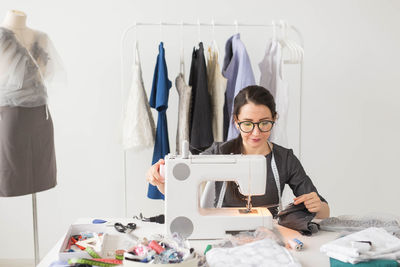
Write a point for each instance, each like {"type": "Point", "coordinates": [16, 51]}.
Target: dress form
{"type": "Point", "coordinates": [16, 21]}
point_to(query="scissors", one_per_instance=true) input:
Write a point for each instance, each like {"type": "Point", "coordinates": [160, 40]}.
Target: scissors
{"type": "Point", "coordinates": [125, 228]}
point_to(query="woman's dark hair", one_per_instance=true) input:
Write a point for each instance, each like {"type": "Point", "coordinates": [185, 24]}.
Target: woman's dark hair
{"type": "Point", "coordinates": [254, 94]}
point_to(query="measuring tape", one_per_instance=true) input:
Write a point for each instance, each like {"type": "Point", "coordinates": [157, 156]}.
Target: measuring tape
{"type": "Point", "coordinates": [276, 177]}
{"type": "Point", "coordinates": [92, 253]}
{"type": "Point", "coordinates": [96, 262]}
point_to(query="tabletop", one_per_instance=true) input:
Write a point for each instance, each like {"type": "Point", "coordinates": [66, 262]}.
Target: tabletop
{"type": "Point", "coordinates": [308, 256]}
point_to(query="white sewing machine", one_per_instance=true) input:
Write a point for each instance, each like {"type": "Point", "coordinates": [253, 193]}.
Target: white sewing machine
{"type": "Point", "coordinates": [183, 176]}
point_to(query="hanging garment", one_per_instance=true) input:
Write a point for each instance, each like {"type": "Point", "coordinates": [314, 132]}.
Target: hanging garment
{"type": "Point", "coordinates": [216, 88]}
{"type": "Point", "coordinates": [271, 68]}
{"type": "Point", "coordinates": [237, 69]}
{"type": "Point", "coordinates": [27, 156]}
{"type": "Point", "coordinates": [184, 92]}
{"type": "Point", "coordinates": [159, 101]}
{"type": "Point", "coordinates": [200, 131]}
{"type": "Point", "coordinates": [138, 126]}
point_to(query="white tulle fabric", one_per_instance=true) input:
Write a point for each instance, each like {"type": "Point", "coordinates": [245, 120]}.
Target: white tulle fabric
{"type": "Point", "coordinates": [25, 72]}
{"type": "Point", "coordinates": [272, 79]}
{"type": "Point", "coordinates": [138, 126]}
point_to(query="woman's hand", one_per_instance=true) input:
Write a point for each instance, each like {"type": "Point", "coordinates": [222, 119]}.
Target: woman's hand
{"type": "Point", "coordinates": [311, 200]}
{"type": "Point", "coordinates": [153, 176]}
{"type": "Point", "coordinates": [314, 204]}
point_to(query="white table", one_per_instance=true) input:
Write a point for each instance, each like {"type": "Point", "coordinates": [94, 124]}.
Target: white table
{"type": "Point", "coordinates": [310, 256]}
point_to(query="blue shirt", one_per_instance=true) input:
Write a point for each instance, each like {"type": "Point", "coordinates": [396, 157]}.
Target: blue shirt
{"type": "Point", "coordinates": [159, 101]}
{"type": "Point", "coordinates": [237, 69]}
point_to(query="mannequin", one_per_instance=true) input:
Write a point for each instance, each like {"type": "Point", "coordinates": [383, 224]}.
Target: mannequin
{"type": "Point", "coordinates": [16, 21]}
{"type": "Point", "coordinates": [27, 155]}
{"type": "Point", "coordinates": [27, 63]}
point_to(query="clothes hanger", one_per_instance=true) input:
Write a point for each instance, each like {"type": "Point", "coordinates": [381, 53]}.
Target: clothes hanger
{"type": "Point", "coordinates": [296, 51]}
{"type": "Point", "coordinates": [161, 31]}
{"type": "Point", "coordinates": [294, 54]}
{"type": "Point", "coordinates": [236, 26]}
{"type": "Point", "coordinates": [137, 58]}
{"type": "Point", "coordinates": [287, 44]}
{"type": "Point", "coordinates": [214, 42]}
{"type": "Point", "coordinates": [182, 57]}
{"type": "Point", "coordinates": [136, 53]}
{"type": "Point", "coordinates": [273, 31]}
{"type": "Point", "coordinates": [198, 30]}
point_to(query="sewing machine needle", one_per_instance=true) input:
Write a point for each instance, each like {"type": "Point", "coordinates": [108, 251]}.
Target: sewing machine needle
{"type": "Point", "coordinates": [248, 208]}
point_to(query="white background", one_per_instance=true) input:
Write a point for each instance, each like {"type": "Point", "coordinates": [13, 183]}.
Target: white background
{"type": "Point", "coordinates": [350, 117]}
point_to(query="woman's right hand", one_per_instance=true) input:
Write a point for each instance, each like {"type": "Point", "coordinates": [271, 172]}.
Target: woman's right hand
{"type": "Point", "coordinates": [153, 176]}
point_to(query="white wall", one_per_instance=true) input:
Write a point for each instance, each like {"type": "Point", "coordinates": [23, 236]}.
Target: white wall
{"type": "Point", "coordinates": [350, 113]}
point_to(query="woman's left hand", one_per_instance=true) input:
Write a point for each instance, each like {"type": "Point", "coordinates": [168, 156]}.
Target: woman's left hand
{"type": "Point", "coordinates": [311, 200]}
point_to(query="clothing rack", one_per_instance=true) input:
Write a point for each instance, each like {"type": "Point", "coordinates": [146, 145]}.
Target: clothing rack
{"type": "Point", "coordinates": [199, 24]}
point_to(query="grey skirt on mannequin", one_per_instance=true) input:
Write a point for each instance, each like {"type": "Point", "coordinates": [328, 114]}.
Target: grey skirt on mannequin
{"type": "Point", "coordinates": [27, 155]}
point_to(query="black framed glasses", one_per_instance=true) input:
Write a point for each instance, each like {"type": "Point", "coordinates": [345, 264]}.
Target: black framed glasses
{"type": "Point", "coordinates": [263, 126]}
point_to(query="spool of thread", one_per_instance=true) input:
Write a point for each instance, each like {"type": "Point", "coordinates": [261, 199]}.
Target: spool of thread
{"type": "Point", "coordinates": [156, 247]}
{"type": "Point", "coordinates": [295, 244]}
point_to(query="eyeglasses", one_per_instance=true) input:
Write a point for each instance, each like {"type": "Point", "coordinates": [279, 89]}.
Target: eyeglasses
{"type": "Point", "coordinates": [263, 126]}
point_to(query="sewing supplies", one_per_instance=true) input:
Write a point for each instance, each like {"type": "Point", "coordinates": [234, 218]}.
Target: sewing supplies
{"type": "Point", "coordinates": [160, 250]}
{"type": "Point", "coordinates": [98, 221]}
{"type": "Point", "coordinates": [295, 244]}
{"type": "Point", "coordinates": [156, 247]}
{"type": "Point", "coordinates": [96, 262]}
{"type": "Point", "coordinates": [125, 228]}
{"type": "Point", "coordinates": [157, 219]}
{"type": "Point", "coordinates": [83, 241]}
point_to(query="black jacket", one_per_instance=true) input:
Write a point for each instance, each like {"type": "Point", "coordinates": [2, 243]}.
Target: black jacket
{"type": "Point", "coordinates": [290, 172]}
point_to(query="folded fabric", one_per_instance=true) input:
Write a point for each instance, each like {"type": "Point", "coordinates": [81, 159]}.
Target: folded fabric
{"type": "Point", "coordinates": [265, 252]}
{"type": "Point", "coordinates": [298, 218]}
{"type": "Point", "coordinates": [373, 263]}
{"type": "Point", "coordinates": [354, 223]}
{"type": "Point", "coordinates": [352, 248]}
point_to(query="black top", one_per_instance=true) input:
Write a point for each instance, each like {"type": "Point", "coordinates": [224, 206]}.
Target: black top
{"type": "Point", "coordinates": [200, 125]}
{"type": "Point", "coordinates": [289, 168]}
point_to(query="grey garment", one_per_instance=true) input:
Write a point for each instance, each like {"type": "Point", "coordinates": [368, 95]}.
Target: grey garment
{"type": "Point", "coordinates": [290, 172]}
{"type": "Point", "coordinates": [237, 69]}
{"type": "Point", "coordinates": [354, 223]}
{"type": "Point", "coordinates": [184, 92]}
{"type": "Point", "coordinates": [27, 156]}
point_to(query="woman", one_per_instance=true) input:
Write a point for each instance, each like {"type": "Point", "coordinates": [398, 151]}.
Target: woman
{"type": "Point", "coordinates": [255, 114]}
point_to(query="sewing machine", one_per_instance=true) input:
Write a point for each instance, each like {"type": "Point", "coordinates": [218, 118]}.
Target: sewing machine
{"type": "Point", "coordinates": [183, 176]}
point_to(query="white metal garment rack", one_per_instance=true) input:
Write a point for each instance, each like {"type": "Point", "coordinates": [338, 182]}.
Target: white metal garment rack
{"type": "Point", "coordinates": [199, 24]}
